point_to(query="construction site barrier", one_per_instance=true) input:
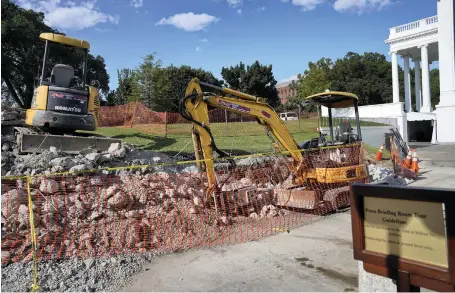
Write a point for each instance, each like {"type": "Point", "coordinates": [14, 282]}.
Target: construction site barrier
{"type": "Point", "coordinates": [157, 208]}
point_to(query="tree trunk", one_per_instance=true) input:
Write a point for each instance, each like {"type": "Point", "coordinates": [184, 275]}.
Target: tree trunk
{"type": "Point", "coordinates": [13, 93]}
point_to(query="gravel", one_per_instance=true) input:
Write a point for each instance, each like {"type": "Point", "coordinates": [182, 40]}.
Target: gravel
{"type": "Point", "coordinates": [109, 273]}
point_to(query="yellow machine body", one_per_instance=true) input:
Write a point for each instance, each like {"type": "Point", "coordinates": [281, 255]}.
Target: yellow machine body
{"type": "Point", "coordinates": [79, 113]}
{"type": "Point", "coordinates": [59, 103]}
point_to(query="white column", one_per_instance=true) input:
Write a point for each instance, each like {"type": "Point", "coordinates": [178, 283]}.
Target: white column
{"type": "Point", "coordinates": [395, 81]}
{"type": "Point", "coordinates": [407, 85]}
{"type": "Point", "coordinates": [445, 110]}
{"type": "Point", "coordinates": [417, 85]}
{"type": "Point", "coordinates": [446, 46]}
{"type": "Point", "coordinates": [426, 99]}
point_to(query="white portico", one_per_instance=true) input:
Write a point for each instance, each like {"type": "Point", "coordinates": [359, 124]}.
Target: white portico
{"type": "Point", "coordinates": [420, 43]}
{"type": "Point", "coordinates": [415, 42]}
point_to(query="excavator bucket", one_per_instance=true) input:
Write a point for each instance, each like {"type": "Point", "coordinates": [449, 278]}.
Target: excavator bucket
{"type": "Point", "coordinates": [298, 197]}
{"type": "Point", "coordinates": [31, 142]}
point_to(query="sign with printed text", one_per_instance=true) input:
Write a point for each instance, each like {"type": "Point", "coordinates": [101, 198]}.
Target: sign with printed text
{"type": "Point", "coordinates": [412, 230]}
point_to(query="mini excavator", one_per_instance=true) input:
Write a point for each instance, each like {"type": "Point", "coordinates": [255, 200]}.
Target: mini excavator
{"type": "Point", "coordinates": [61, 105]}
{"type": "Point", "coordinates": [321, 168]}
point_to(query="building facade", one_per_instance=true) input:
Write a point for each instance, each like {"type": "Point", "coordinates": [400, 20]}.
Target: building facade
{"type": "Point", "coordinates": [285, 92]}
{"type": "Point", "coordinates": [420, 43]}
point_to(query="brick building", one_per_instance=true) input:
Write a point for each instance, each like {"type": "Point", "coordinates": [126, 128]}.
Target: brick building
{"type": "Point", "coordinates": [284, 92]}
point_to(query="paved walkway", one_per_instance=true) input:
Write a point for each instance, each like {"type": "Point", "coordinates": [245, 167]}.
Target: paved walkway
{"type": "Point", "coordinates": [436, 166]}
{"type": "Point", "coordinates": [316, 257]}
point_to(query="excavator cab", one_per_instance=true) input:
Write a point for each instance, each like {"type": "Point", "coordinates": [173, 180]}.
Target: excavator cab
{"type": "Point", "coordinates": [63, 102]}
{"type": "Point", "coordinates": [341, 130]}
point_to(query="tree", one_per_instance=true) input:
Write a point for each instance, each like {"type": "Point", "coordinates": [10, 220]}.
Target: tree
{"type": "Point", "coordinates": [178, 79]}
{"type": "Point", "coordinates": [434, 87]}
{"type": "Point", "coordinates": [128, 89]}
{"type": "Point", "coordinates": [369, 76]}
{"type": "Point", "coordinates": [314, 80]}
{"type": "Point", "coordinates": [111, 98]}
{"type": "Point", "coordinates": [256, 80]}
{"type": "Point", "coordinates": [153, 83]}
{"type": "Point", "coordinates": [22, 51]}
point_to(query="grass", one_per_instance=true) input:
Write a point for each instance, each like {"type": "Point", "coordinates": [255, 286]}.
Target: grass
{"type": "Point", "coordinates": [372, 150]}
{"type": "Point", "coordinates": [237, 138]}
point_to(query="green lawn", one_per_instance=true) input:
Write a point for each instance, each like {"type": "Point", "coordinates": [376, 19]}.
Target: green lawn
{"type": "Point", "coordinates": [237, 138]}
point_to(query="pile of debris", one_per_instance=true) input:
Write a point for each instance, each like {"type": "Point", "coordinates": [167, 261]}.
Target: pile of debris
{"type": "Point", "coordinates": [12, 113]}
{"type": "Point", "coordinates": [381, 174]}
{"type": "Point", "coordinates": [53, 161]}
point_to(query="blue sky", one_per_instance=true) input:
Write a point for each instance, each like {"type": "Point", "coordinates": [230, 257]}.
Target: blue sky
{"type": "Point", "coordinates": [215, 33]}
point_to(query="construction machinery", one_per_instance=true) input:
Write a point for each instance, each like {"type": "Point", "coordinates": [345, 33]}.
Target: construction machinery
{"type": "Point", "coordinates": [321, 168]}
{"type": "Point", "coordinates": [62, 104]}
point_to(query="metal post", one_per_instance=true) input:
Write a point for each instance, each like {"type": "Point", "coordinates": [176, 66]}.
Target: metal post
{"type": "Point", "coordinates": [359, 132]}
{"type": "Point", "coordinates": [165, 124]}
{"type": "Point", "coordinates": [84, 68]}
{"type": "Point", "coordinates": [226, 122]}
{"type": "Point", "coordinates": [46, 55]}
{"type": "Point", "coordinates": [330, 124]}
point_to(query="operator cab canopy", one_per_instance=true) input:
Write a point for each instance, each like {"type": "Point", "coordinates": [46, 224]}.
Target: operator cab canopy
{"type": "Point", "coordinates": [343, 132]}
{"type": "Point", "coordinates": [334, 99]}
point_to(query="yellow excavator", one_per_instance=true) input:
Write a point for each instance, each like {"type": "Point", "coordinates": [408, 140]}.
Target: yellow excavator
{"type": "Point", "coordinates": [321, 168]}
{"type": "Point", "coordinates": [62, 104]}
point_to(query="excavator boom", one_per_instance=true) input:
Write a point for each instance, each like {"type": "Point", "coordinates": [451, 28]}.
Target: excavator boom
{"type": "Point", "coordinates": [194, 107]}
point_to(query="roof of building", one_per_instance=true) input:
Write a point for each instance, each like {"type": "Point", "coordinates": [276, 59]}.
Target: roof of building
{"type": "Point", "coordinates": [283, 84]}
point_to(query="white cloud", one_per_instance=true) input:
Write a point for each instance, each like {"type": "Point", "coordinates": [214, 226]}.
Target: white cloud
{"type": "Point", "coordinates": [307, 5]}
{"type": "Point", "coordinates": [189, 21]}
{"type": "Point", "coordinates": [291, 78]}
{"type": "Point", "coordinates": [198, 49]}
{"type": "Point", "coordinates": [70, 15]}
{"type": "Point", "coordinates": [239, 11]}
{"type": "Point", "coordinates": [261, 8]}
{"type": "Point", "coordinates": [204, 40]}
{"type": "Point", "coordinates": [137, 3]}
{"type": "Point", "coordinates": [360, 6]}
{"type": "Point", "coordinates": [235, 3]}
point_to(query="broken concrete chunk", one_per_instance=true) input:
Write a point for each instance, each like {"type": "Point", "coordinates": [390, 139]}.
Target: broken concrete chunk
{"type": "Point", "coordinates": [81, 167]}
{"type": "Point", "coordinates": [48, 186]}
{"type": "Point", "coordinates": [53, 149]}
{"type": "Point", "coordinates": [93, 157]}
{"type": "Point", "coordinates": [120, 200]}
{"type": "Point", "coordinates": [105, 158]}
{"type": "Point", "coordinates": [117, 150]}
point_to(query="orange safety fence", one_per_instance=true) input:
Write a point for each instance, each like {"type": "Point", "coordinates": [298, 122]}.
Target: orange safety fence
{"type": "Point", "coordinates": [138, 116]}
{"type": "Point", "coordinates": [161, 208]}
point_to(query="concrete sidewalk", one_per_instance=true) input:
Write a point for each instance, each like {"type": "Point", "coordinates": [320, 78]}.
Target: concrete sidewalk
{"type": "Point", "coordinates": [436, 166]}
{"type": "Point", "coordinates": [316, 257]}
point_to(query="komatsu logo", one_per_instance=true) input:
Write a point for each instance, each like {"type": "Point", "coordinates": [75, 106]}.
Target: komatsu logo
{"type": "Point", "coordinates": [233, 106]}
{"type": "Point", "coordinates": [68, 109]}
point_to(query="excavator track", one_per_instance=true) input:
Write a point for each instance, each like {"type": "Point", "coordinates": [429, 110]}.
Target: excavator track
{"type": "Point", "coordinates": [33, 140]}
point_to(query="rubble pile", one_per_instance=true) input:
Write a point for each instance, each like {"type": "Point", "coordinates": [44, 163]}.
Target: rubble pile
{"type": "Point", "coordinates": [53, 161]}
{"type": "Point", "coordinates": [11, 113]}
{"type": "Point", "coordinates": [133, 212]}
{"type": "Point", "coordinates": [381, 174]}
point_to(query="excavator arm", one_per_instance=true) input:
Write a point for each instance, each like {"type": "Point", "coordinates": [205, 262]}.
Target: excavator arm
{"type": "Point", "coordinates": [194, 107]}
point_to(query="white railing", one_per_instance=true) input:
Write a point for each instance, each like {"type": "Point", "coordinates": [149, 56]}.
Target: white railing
{"type": "Point", "coordinates": [415, 26]}
{"type": "Point", "coordinates": [430, 20]}
{"type": "Point", "coordinates": [407, 27]}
